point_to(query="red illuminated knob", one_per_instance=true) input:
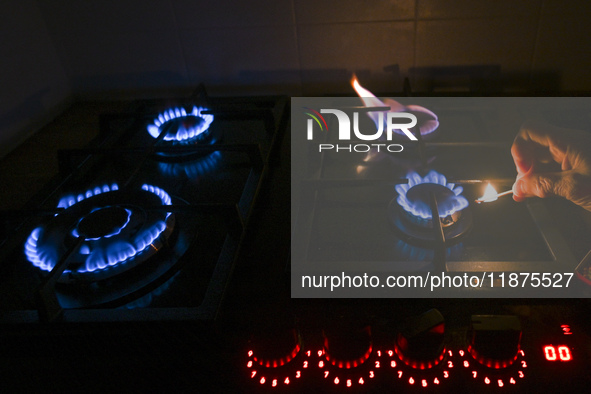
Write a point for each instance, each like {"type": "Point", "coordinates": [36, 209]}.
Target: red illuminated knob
{"type": "Point", "coordinates": [494, 340]}
{"type": "Point", "coordinates": [347, 347]}
{"type": "Point", "coordinates": [275, 348]}
{"type": "Point", "coordinates": [420, 343]}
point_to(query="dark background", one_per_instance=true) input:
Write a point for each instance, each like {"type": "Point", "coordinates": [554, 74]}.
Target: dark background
{"type": "Point", "coordinates": [55, 52]}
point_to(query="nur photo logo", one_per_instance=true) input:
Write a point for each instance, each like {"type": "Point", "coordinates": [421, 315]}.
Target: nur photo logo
{"type": "Point", "coordinates": [390, 122]}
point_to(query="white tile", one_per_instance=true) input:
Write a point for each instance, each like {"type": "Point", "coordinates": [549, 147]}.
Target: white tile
{"type": "Point", "coordinates": [445, 9]}
{"type": "Point", "coordinates": [21, 18]}
{"type": "Point", "coordinates": [107, 16]}
{"type": "Point", "coordinates": [242, 56]}
{"type": "Point", "coordinates": [571, 7]}
{"type": "Point", "coordinates": [564, 50]}
{"type": "Point", "coordinates": [36, 68]}
{"type": "Point", "coordinates": [32, 76]}
{"type": "Point", "coordinates": [507, 42]}
{"type": "Point", "coordinates": [334, 11]}
{"type": "Point", "coordinates": [33, 84]}
{"type": "Point", "coordinates": [331, 53]}
{"type": "Point", "coordinates": [128, 60]}
{"type": "Point", "coordinates": [192, 14]}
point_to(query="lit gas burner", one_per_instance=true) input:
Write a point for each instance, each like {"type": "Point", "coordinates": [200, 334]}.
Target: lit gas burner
{"type": "Point", "coordinates": [412, 216]}
{"type": "Point", "coordinates": [183, 129]}
{"type": "Point", "coordinates": [193, 169]}
{"type": "Point", "coordinates": [118, 230]}
{"type": "Point", "coordinates": [427, 121]}
{"type": "Point", "coordinates": [414, 196]}
{"type": "Point", "coordinates": [181, 126]}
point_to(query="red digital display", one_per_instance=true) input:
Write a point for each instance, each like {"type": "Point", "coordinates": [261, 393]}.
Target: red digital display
{"type": "Point", "coordinates": [566, 330]}
{"type": "Point", "coordinates": [557, 353]}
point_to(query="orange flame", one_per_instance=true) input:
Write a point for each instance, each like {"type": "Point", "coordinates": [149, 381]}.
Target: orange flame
{"type": "Point", "coordinates": [368, 98]}
{"type": "Point", "coordinates": [490, 194]}
{"type": "Point", "coordinates": [427, 120]}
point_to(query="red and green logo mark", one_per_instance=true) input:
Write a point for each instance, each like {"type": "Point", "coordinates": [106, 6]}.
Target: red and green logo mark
{"type": "Point", "coordinates": [317, 117]}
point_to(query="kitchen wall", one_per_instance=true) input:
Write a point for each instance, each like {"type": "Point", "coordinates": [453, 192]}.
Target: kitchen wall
{"type": "Point", "coordinates": [33, 84]}
{"type": "Point", "coordinates": [312, 47]}
{"type": "Point", "coordinates": [115, 48]}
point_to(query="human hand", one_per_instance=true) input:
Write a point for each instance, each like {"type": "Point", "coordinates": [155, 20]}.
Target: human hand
{"type": "Point", "coordinates": [552, 161]}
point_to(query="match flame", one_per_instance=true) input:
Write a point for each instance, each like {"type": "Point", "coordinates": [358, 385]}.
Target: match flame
{"type": "Point", "coordinates": [370, 100]}
{"type": "Point", "coordinates": [490, 194]}
{"type": "Point", "coordinates": [427, 120]}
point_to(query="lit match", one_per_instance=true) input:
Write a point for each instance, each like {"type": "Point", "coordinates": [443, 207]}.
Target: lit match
{"type": "Point", "coordinates": [490, 194]}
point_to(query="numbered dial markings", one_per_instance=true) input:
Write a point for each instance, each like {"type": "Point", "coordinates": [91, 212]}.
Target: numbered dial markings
{"type": "Point", "coordinates": [341, 375]}
{"type": "Point", "coordinates": [508, 376]}
{"type": "Point", "coordinates": [276, 374]}
{"type": "Point", "coordinates": [432, 377]}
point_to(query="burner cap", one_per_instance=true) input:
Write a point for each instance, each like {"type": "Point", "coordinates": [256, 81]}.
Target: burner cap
{"type": "Point", "coordinates": [118, 233]}
{"type": "Point", "coordinates": [418, 231]}
{"type": "Point", "coordinates": [183, 128]}
{"type": "Point", "coordinates": [190, 121]}
{"type": "Point", "coordinates": [103, 222]}
{"type": "Point", "coordinates": [421, 194]}
{"type": "Point", "coordinates": [180, 125]}
{"type": "Point", "coordinates": [420, 197]}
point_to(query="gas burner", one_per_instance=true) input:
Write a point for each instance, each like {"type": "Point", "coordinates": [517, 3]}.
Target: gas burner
{"type": "Point", "coordinates": [411, 215]}
{"type": "Point", "coordinates": [145, 301]}
{"type": "Point", "coordinates": [181, 126]}
{"type": "Point", "coordinates": [183, 129]}
{"type": "Point", "coordinates": [427, 121]}
{"type": "Point", "coordinates": [117, 230]}
{"type": "Point", "coordinates": [193, 169]}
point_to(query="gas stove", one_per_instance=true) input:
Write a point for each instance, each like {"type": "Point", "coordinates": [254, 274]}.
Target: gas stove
{"type": "Point", "coordinates": [458, 346]}
{"type": "Point", "coordinates": [159, 258]}
{"type": "Point", "coordinates": [153, 213]}
{"type": "Point", "coordinates": [362, 207]}
{"type": "Point", "coordinates": [388, 221]}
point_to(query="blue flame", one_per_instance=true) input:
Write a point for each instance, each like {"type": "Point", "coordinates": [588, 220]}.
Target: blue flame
{"type": "Point", "coordinates": [109, 255]}
{"type": "Point", "coordinates": [166, 200]}
{"type": "Point", "coordinates": [115, 232]}
{"type": "Point", "coordinates": [193, 169]}
{"type": "Point", "coordinates": [183, 133]}
{"type": "Point", "coordinates": [423, 209]}
{"type": "Point", "coordinates": [69, 200]}
{"type": "Point", "coordinates": [100, 253]}
{"type": "Point", "coordinates": [143, 240]}
{"type": "Point", "coordinates": [44, 258]}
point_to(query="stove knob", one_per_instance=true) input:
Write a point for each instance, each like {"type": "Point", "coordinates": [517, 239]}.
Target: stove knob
{"type": "Point", "coordinates": [494, 340]}
{"type": "Point", "coordinates": [420, 343]}
{"type": "Point", "coordinates": [347, 347]}
{"type": "Point", "coordinates": [275, 348]}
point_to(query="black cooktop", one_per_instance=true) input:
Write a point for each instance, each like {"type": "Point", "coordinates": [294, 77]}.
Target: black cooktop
{"type": "Point", "coordinates": [150, 221]}
{"type": "Point", "coordinates": [193, 328]}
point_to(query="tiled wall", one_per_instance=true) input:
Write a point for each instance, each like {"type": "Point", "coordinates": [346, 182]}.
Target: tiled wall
{"type": "Point", "coordinates": [297, 47]}
{"type": "Point", "coordinates": [312, 47]}
{"type": "Point", "coordinates": [33, 84]}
